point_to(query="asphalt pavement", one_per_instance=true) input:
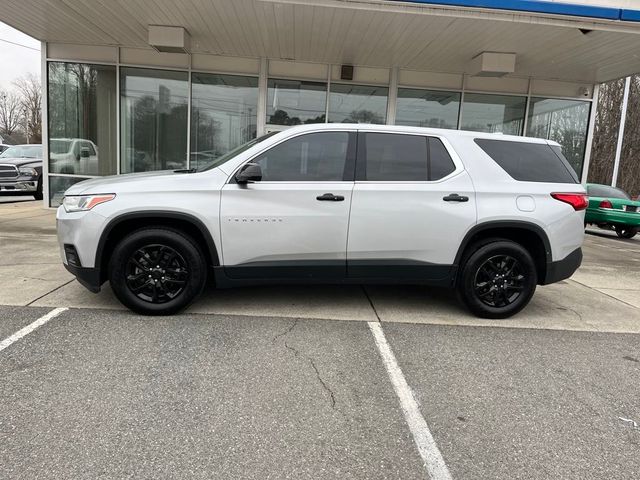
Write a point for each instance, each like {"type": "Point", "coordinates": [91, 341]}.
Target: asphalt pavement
{"type": "Point", "coordinates": [294, 382]}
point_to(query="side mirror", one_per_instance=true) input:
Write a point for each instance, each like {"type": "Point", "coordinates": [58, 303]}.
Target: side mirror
{"type": "Point", "coordinates": [250, 172]}
{"type": "Point", "coordinates": [85, 153]}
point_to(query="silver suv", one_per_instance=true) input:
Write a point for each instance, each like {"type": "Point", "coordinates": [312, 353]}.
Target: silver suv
{"type": "Point", "coordinates": [490, 215]}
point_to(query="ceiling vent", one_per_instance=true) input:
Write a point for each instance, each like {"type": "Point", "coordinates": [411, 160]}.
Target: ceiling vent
{"type": "Point", "coordinates": [169, 39]}
{"type": "Point", "coordinates": [492, 64]}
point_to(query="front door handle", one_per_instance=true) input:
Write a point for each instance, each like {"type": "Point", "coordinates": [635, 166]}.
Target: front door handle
{"type": "Point", "coordinates": [454, 197]}
{"type": "Point", "coordinates": [330, 197]}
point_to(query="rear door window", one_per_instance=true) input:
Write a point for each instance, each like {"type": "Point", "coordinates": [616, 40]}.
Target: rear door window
{"type": "Point", "coordinates": [391, 157]}
{"type": "Point", "coordinates": [529, 162]}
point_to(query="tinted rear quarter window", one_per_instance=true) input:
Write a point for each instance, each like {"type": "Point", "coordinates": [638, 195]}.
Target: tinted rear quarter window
{"type": "Point", "coordinates": [529, 162]}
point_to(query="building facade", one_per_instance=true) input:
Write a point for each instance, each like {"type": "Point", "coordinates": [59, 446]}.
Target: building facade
{"type": "Point", "coordinates": [160, 84]}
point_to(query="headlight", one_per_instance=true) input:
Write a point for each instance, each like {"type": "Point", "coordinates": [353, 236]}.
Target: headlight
{"type": "Point", "coordinates": [81, 203]}
{"type": "Point", "coordinates": [28, 171]}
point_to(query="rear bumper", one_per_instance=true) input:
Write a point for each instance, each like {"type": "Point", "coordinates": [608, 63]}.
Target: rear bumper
{"type": "Point", "coordinates": [564, 268]}
{"type": "Point", "coordinates": [613, 217]}
{"type": "Point", "coordinates": [88, 277]}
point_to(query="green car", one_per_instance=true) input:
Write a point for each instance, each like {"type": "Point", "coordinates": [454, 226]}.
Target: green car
{"type": "Point", "coordinates": [612, 208]}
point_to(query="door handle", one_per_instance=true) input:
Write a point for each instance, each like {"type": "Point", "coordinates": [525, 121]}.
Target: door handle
{"type": "Point", "coordinates": [454, 197]}
{"type": "Point", "coordinates": [330, 197]}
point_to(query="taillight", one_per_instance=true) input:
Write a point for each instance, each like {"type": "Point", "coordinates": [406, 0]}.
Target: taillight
{"type": "Point", "coordinates": [605, 204]}
{"type": "Point", "coordinates": [579, 201]}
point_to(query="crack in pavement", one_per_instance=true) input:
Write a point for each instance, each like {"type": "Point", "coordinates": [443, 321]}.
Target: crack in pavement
{"type": "Point", "coordinates": [296, 353]}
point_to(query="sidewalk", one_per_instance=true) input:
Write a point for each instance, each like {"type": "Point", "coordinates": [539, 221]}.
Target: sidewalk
{"type": "Point", "coordinates": [604, 295]}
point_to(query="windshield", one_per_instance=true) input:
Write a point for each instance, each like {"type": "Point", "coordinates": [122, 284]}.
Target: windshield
{"type": "Point", "coordinates": [59, 146]}
{"type": "Point", "coordinates": [22, 151]}
{"type": "Point", "coordinates": [236, 151]}
{"type": "Point", "coordinates": [606, 191]}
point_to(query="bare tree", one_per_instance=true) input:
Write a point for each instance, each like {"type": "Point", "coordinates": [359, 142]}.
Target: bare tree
{"type": "Point", "coordinates": [10, 112]}
{"type": "Point", "coordinates": [31, 96]}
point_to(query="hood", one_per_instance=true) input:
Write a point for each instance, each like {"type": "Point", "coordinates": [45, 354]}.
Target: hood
{"type": "Point", "coordinates": [21, 161]}
{"type": "Point", "coordinates": [128, 182]}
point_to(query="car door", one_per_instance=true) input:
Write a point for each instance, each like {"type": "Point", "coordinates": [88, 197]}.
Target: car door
{"type": "Point", "coordinates": [413, 202]}
{"type": "Point", "coordinates": [293, 222]}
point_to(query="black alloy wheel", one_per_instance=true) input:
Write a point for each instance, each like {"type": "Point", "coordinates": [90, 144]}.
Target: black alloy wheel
{"type": "Point", "coordinates": [496, 278]}
{"type": "Point", "coordinates": [499, 281]}
{"type": "Point", "coordinates": [156, 273]}
{"type": "Point", "coordinates": [157, 270]}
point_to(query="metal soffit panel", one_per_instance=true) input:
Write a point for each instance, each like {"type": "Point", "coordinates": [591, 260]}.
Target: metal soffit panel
{"type": "Point", "coordinates": [328, 34]}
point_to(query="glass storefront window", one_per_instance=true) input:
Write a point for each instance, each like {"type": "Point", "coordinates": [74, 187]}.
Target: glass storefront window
{"type": "Point", "coordinates": [82, 119]}
{"type": "Point", "coordinates": [293, 102]}
{"type": "Point", "coordinates": [427, 108]}
{"type": "Point", "coordinates": [223, 115]}
{"type": "Point", "coordinates": [58, 185]}
{"type": "Point", "coordinates": [563, 121]}
{"type": "Point", "coordinates": [357, 104]}
{"type": "Point", "coordinates": [493, 113]}
{"type": "Point", "coordinates": [153, 119]}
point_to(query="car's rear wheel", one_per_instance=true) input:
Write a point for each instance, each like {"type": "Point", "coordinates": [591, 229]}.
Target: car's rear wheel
{"type": "Point", "coordinates": [625, 232]}
{"type": "Point", "coordinates": [157, 271]}
{"type": "Point", "coordinates": [497, 280]}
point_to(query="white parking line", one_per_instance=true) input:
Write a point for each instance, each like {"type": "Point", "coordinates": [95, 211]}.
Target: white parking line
{"type": "Point", "coordinates": [31, 327]}
{"type": "Point", "coordinates": [433, 461]}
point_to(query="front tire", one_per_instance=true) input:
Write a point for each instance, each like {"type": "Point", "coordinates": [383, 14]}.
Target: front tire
{"type": "Point", "coordinates": [625, 232]}
{"type": "Point", "coordinates": [497, 280]}
{"type": "Point", "coordinates": [157, 271]}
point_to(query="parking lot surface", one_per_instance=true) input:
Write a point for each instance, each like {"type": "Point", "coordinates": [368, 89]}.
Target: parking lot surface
{"type": "Point", "coordinates": [289, 382]}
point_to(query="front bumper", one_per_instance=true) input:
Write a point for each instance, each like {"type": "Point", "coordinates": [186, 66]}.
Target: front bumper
{"type": "Point", "coordinates": [564, 268]}
{"type": "Point", "coordinates": [88, 277]}
{"type": "Point", "coordinates": [19, 186]}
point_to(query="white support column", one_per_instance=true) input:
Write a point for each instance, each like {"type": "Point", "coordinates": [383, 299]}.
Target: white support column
{"type": "Point", "coordinates": [623, 120]}
{"type": "Point", "coordinates": [392, 98]}
{"type": "Point", "coordinates": [590, 129]}
{"type": "Point", "coordinates": [190, 100]}
{"type": "Point", "coordinates": [262, 97]}
{"type": "Point", "coordinates": [45, 124]}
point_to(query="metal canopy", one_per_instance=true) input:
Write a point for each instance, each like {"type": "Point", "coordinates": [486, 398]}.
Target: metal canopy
{"type": "Point", "coordinates": [380, 33]}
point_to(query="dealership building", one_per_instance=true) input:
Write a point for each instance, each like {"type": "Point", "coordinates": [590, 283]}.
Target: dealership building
{"type": "Point", "coordinates": [162, 84]}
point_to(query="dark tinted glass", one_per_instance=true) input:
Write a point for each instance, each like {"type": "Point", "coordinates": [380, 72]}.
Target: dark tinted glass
{"type": "Point", "coordinates": [316, 157]}
{"type": "Point", "coordinates": [606, 192]}
{"type": "Point", "coordinates": [528, 162]}
{"type": "Point", "coordinates": [440, 162]}
{"type": "Point", "coordinates": [392, 157]}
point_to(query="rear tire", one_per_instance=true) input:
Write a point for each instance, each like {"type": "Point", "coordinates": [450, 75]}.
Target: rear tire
{"type": "Point", "coordinates": [157, 271]}
{"type": "Point", "coordinates": [625, 232]}
{"type": "Point", "coordinates": [497, 280]}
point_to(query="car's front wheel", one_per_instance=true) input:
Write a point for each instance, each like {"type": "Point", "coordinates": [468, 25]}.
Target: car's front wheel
{"type": "Point", "coordinates": [497, 280]}
{"type": "Point", "coordinates": [157, 271]}
{"type": "Point", "coordinates": [625, 232]}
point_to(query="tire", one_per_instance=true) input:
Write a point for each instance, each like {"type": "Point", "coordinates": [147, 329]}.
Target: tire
{"type": "Point", "coordinates": [478, 286]}
{"type": "Point", "coordinates": [38, 194]}
{"type": "Point", "coordinates": [175, 281]}
{"type": "Point", "coordinates": [625, 232]}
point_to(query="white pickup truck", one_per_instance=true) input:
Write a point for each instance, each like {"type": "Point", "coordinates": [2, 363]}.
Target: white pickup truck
{"type": "Point", "coordinates": [74, 156]}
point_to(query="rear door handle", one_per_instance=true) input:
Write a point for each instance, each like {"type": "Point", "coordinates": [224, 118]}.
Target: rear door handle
{"type": "Point", "coordinates": [454, 197]}
{"type": "Point", "coordinates": [330, 197]}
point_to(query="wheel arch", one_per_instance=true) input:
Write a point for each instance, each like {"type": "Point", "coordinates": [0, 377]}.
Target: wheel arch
{"type": "Point", "coordinates": [120, 225]}
{"type": "Point", "coordinates": [530, 235]}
